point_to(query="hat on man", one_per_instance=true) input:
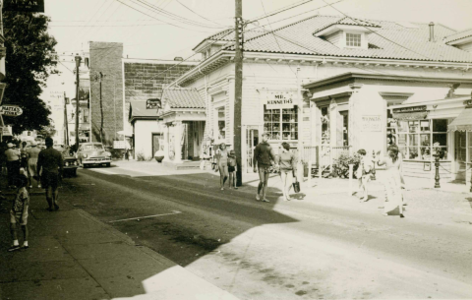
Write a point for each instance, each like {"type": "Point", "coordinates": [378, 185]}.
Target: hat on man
{"type": "Point", "coordinates": [10, 145]}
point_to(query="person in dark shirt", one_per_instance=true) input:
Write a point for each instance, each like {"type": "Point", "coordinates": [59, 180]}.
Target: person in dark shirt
{"type": "Point", "coordinates": [50, 167]}
{"type": "Point", "coordinates": [264, 157]}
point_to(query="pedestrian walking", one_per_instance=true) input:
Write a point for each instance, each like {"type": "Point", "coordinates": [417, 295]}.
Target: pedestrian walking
{"type": "Point", "coordinates": [232, 169]}
{"type": "Point", "coordinates": [287, 169]}
{"type": "Point", "coordinates": [19, 214]}
{"type": "Point", "coordinates": [50, 166]}
{"type": "Point", "coordinates": [364, 173]}
{"type": "Point", "coordinates": [13, 164]}
{"type": "Point", "coordinates": [33, 153]}
{"type": "Point", "coordinates": [222, 162]}
{"type": "Point", "coordinates": [392, 181]}
{"type": "Point", "coordinates": [264, 158]}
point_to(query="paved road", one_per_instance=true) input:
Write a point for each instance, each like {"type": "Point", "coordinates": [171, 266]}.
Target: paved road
{"type": "Point", "coordinates": [278, 250]}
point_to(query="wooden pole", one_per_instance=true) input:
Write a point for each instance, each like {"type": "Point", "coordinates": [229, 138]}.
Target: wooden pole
{"type": "Point", "coordinates": [77, 81]}
{"type": "Point", "coordinates": [238, 88]}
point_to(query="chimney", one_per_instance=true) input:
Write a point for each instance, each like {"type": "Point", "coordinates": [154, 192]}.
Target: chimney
{"type": "Point", "coordinates": [431, 32]}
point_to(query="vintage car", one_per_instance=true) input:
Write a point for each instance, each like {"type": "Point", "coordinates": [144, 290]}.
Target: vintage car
{"type": "Point", "coordinates": [70, 162]}
{"type": "Point", "coordinates": [93, 154]}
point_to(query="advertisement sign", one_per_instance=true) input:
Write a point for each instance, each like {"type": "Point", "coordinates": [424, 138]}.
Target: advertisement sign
{"type": "Point", "coordinates": [119, 145]}
{"type": "Point", "coordinates": [277, 100]}
{"type": "Point", "coordinates": [371, 124]}
{"type": "Point", "coordinates": [419, 108]}
{"type": "Point", "coordinates": [11, 110]}
{"type": "Point", "coordinates": [6, 131]}
{"type": "Point", "coordinates": [24, 5]}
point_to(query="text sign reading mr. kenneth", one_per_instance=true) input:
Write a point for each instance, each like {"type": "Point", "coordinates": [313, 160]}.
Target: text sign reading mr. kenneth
{"type": "Point", "coordinates": [11, 110]}
{"type": "Point", "coordinates": [275, 101]}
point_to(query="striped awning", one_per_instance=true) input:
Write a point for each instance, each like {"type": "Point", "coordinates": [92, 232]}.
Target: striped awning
{"type": "Point", "coordinates": [463, 122]}
{"type": "Point", "coordinates": [408, 116]}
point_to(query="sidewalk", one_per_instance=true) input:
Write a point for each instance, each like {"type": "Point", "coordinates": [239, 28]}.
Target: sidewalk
{"type": "Point", "coordinates": [74, 256]}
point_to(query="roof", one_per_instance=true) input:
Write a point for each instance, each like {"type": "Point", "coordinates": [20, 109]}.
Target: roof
{"type": "Point", "coordinates": [458, 35]}
{"type": "Point", "coordinates": [138, 110]}
{"type": "Point", "coordinates": [387, 40]}
{"type": "Point", "coordinates": [183, 98]}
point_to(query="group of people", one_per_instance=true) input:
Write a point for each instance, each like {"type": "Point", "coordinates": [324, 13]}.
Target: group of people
{"type": "Point", "coordinates": [392, 178]}
{"type": "Point", "coordinates": [265, 162]}
{"type": "Point", "coordinates": [46, 165]}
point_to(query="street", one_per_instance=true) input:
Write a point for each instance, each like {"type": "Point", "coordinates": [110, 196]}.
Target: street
{"type": "Point", "coordinates": [278, 250]}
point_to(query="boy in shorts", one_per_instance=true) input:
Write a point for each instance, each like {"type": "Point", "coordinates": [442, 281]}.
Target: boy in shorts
{"type": "Point", "coordinates": [232, 169]}
{"type": "Point", "coordinates": [19, 214]}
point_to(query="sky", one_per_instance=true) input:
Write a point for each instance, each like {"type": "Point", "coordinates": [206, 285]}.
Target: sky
{"type": "Point", "coordinates": [154, 29]}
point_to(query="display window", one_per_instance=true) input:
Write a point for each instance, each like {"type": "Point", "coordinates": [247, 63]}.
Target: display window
{"type": "Point", "coordinates": [421, 139]}
{"type": "Point", "coordinates": [281, 124]}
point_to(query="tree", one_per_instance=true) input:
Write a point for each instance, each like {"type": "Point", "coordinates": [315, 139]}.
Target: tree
{"type": "Point", "coordinates": [29, 60]}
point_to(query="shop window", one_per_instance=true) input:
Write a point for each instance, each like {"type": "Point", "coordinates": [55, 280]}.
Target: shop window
{"type": "Point", "coordinates": [420, 140]}
{"type": "Point", "coordinates": [325, 134]}
{"type": "Point", "coordinates": [469, 134]}
{"type": "Point", "coordinates": [281, 124]}
{"type": "Point", "coordinates": [345, 116]}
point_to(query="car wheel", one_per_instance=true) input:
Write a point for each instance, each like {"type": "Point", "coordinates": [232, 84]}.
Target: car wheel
{"type": "Point", "coordinates": [84, 166]}
{"type": "Point", "coordinates": [107, 165]}
{"type": "Point", "coordinates": [74, 173]}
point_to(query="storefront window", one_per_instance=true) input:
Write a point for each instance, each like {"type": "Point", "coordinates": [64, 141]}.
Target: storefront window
{"type": "Point", "coordinates": [221, 123]}
{"type": "Point", "coordinates": [469, 134]}
{"type": "Point", "coordinates": [420, 140]}
{"type": "Point", "coordinates": [281, 124]}
{"type": "Point", "coordinates": [325, 136]}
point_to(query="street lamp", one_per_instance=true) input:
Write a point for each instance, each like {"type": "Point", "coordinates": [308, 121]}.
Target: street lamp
{"type": "Point", "coordinates": [77, 65]}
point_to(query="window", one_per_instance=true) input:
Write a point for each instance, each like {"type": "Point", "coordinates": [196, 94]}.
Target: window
{"type": "Point", "coordinates": [345, 116]}
{"type": "Point", "coordinates": [281, 124]}
{"type": "Point", "coordinates": [353, 40]}
{"type": "Point", "coordinates": [421, 139]}
{"type": "Point", "coordinates": [469, 134]}
{"type": "Point", "coordinates": [325, 134]}
{"type": "Point", "coordinates": [221, 123]}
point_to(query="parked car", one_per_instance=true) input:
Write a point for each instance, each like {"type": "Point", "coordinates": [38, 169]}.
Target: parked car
{"type": "Point", "coordinates": [70, 162]}
{"type": "Point", "coordinates": [93, 154]}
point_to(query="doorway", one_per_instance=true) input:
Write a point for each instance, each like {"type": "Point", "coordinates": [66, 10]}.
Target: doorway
{"type": "Point", "coordinates": [157, 143]}
{"type": "Point", "coordinates": [252, 139]}
{"type": "Point", "coordinates": [460, 155]}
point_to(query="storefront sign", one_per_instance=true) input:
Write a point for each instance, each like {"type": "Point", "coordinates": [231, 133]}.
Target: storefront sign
{"type": "Point", "coordinates": [280, 100]}
{"type": "Point", "coordinates": [11, 110]}
{"type": "Point", "coordinates": [6, 131]}
{"type": "Point", "coordinates": [24, 5]}
{"type": "Point", "coordinates": [410, 109]}
{"type": "Point", "coordinates": [119, 145]}
{"type": "Point", "coordinates": [468, 103]}
{"type": "Point", "coordinates": [371, 124]}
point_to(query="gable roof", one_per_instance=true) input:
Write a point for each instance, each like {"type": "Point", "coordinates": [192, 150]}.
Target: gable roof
{"type": "Point", "coordinates": [458, 35]}
{"type": "Point", "coordinates": [182, 98]}
{"type": "Point", "coordinates": [389, 40]}
{"type": "Point", "coordinates": [138, 110]}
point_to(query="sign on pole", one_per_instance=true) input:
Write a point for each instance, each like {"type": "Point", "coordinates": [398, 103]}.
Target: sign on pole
{"type": "Point", "coordinates": [24, 5]}
{"type": "Point", "coordinates": [11, 110]}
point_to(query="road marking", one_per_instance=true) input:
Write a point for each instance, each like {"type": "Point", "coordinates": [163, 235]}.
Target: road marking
{"type": "Point", "coordinates": [174, 212]}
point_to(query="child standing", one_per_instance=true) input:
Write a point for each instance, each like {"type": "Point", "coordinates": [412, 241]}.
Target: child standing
{"type": "Point", "coordinates": [19, 214]}
{"type": "Point", "coordinates": [232, 168]}
{"type": "Point", "coordinates": [364, 173]}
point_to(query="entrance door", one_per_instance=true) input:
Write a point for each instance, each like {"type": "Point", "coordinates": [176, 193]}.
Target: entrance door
{"type": "Point", "coordinates": [156, 142]}
{"type": "Point", "coordinates": [252, 139]}
{"type": "Point", "coordinates": [460, 152]}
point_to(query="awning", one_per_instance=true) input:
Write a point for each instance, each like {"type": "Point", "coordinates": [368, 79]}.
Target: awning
{"type": "Point", "coordinates": [463, 122]}
{"type": "Point", "coordinates": [408, 116]}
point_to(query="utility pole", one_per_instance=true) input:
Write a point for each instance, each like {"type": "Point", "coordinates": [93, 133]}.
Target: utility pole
{"type": "Point", "coordinates": [66, 122]}
{"type": "Point", "coordinates": [77, 81]}
{"type": "Point", "coordinates": [101, 108]}
{"type": "Point", "coordinates": [238, 88]}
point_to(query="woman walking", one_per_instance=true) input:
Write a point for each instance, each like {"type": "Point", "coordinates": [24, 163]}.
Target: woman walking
{"type": "Point", "coordinates": [222, 161]}
{"type": "Point", "coordinates": [288, 168]}
{"type": "Point", "coordinates": [392, 181]}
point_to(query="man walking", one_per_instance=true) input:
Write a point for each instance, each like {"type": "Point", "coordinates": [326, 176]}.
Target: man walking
{"type": "Point", "coordinates": [33, 154]}
{"type": "Point", "coordinates": [13, 165]}
{"type": "Point", "coordinates": [51, 164]}
{"type": "Point", "coordinates": [264, 157]}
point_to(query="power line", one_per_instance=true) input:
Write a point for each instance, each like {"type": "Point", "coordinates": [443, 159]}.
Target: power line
{"type": "Point", "coordinates": [280, 11]}
{"type": "Point", "coordinates": [197, 13]}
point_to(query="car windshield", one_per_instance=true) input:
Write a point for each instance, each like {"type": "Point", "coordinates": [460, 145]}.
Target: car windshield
{"type": "Point", "coordinates": [89, 147]}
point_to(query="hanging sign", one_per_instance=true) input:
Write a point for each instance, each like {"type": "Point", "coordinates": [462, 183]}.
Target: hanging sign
{"type": "Point", "coordinates": [11, 110]}
{"type": "Point", "coordinates": [419, 108]}
{"type": "Point", "coordinates": [371, 124]}
{"type": "Point", "coordinates": [6, 131]}
{"type": "Point", "coordinates": [24, 5]}
{"type": "Point", "coordinates": [277, 100]}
